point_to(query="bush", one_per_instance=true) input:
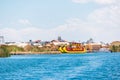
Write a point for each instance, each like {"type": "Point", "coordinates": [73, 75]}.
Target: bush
{"type": "Point", "coordinates": [4, 51]}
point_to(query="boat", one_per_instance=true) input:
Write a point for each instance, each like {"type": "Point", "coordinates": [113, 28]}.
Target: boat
{"type": "Point", "coordinates": [72, 48]}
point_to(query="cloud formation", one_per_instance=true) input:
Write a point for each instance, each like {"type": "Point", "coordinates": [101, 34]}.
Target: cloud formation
{"type": "Point", "coordinates": [80, 1]}
{"type": "Point", "coordinates": [24, 22]}
{"type": "Point", "coordinates": [96, 1]}
{"type": "Point", "coordinates": [73, 29]}
{"type": "Point", "coordinates": [102, 25]}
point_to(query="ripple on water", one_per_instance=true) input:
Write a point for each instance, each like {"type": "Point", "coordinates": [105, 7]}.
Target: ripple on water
{"type": "Point", "coordinates": [61, 67]}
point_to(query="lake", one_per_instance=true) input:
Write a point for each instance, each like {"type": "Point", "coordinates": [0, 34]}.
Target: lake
{"type": "Point", "coordinates": [89, 66]}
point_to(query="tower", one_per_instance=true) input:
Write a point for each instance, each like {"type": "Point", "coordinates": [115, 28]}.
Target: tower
{"type": "Point", "coordinates": [1, 39]}
{"type": "Point", "coordinates": [59, 38]}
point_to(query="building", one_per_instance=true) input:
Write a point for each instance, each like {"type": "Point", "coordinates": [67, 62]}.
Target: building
{"type": "Point", "coordinates": [59, 43]}
{"type": "Point", "coordinates": [19, 44]}
{"type": "Point", "coordinates": [93, 47]}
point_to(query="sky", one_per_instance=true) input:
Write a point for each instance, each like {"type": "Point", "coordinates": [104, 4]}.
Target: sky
{"type": "Point", "coordinates": [73, 20]}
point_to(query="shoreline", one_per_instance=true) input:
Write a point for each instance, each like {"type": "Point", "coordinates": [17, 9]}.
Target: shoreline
{"type": "Point", "coordinates": [45, 52]}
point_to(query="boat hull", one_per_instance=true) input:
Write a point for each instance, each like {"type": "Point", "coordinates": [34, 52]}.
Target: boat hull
{"type": "Point", "coordinates": [65, 50]}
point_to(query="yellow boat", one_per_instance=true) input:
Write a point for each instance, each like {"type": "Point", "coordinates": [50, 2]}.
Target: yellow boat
{"type": "Point", "coordinates": [72, 48]}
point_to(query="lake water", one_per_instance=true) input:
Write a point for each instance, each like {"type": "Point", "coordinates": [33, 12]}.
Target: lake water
{"type": "Point", "coordinates": [89, 66]}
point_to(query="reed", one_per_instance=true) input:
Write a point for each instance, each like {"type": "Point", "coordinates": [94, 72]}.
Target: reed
{"type": "Point", "coordinates": [4, 52]}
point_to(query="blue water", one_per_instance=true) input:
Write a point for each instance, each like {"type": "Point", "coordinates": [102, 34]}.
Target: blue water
{"type": "Point", "coordinates": [90, 66]}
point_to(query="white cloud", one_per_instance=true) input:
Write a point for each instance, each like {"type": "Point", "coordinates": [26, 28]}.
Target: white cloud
{"type": "Point", "coordinates": [73, 29]}
{"type": "Point", "coordinates": [10, 34]}
{"type": "Point", "coordinates": [108, 20]}
{"type": "Point", "coordinates": [24, 21]}
{"type": "Point", "coordinates": [107, 16]}
{"type": "Point", "coordinates": [101, 25]}
{"type": "Point", "coordinates": [80, 1]}
{"type": "Point", "coordinates": [96, 1]}
{"type": "Point", "coordinates": [105, 1]}
{"type": "Point", "coordinates": [26, 34]}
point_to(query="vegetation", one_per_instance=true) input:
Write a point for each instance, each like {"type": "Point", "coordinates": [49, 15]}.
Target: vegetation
{"type": "Point", "coordinates": [14, 48]}
{"type": "Point", "coordinates": [115, 48]}
{"type": "Point", "coordinates": [29, 48]}
{"type": "Point", "coordinates": [4, 52]}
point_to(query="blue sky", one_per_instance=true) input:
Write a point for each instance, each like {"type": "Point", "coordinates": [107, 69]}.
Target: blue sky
{"type": "Point", "coordinates": [73, 20]}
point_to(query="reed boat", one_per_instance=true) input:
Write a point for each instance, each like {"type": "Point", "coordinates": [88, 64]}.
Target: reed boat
{"type": "Point", "coordinates": [72, 48]}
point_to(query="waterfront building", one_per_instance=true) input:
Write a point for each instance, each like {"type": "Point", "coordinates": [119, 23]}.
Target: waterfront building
{"type": "Point", "coordinates": [58, 43]}
{"type": "Point", "coordinates": [19, 44]}
{"type": "Point", "coordinates": [93, 47]}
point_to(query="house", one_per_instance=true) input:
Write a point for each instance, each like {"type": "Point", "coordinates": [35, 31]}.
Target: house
{"type": "Point", "coordinates": [93, 47]}
{"type": "Point", "coordinates": [19, 44]}
{"type": "Point", "coordinates": [58, 43]}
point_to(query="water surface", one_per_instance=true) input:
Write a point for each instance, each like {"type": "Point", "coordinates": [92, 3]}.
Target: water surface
{"type": "Point", "coordinates": [90, 66]}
